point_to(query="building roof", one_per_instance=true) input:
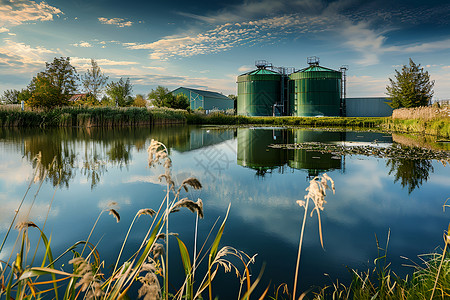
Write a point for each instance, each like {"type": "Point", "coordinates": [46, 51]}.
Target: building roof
{"type": "Point", "coordinates": [207, 94]}
{"type": "Point", "coordinates": [77, 97]}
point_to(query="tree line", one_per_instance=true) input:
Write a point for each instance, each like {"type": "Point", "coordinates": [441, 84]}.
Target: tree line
{"type": "Point", "coordinates": [60, 82]}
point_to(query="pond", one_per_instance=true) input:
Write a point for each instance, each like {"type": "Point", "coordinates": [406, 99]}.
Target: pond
{"type": "Point", "coordinates": [376, 198]}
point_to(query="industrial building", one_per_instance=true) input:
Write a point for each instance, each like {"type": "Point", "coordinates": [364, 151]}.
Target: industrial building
{"type": "Point", "coordinates": [309, 92]}
{"type": "Point", "coordinates": [368, 107]}
{"type": "Point", "coordinates": [205, 99]}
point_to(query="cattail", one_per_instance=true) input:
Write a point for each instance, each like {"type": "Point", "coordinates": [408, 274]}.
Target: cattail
{"type": "Point", "coordinates": [157, 250]}
{"type": "Point", "coordinates": [193, 182]}
{"type": "Point", "coordinates": [191, 205]}
{"type": "Point", "coordinates": [23, 225]}
{"type": "Point", "coordinates": [115, 214]}
{"type": "Point", "coordinates": [150, 289]}
{"type": "Point", "coordinates": [146, 211]}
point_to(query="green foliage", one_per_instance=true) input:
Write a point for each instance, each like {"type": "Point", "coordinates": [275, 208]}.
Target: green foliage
{"type": "Point", "coordinates": [94, 80]}
{"type": "Point", "coordinates": [45, 94]}
{"type": "Point", "coordinates": [139, 101]}
{"type": "Point", "coordinates": [10, 97]}
{"type": "Point", "coordinates": [157, 96]}
{"type": "Point", "coordinates": [24, 95]}
{"type": "Point", "coordinates": [162, 97]}
{"type": "Point", "coordinates": [119, 92]}
{"type": "Point", "coordinates": [412, 87]}
{"type": "Point", "coordinates": [54, 86]}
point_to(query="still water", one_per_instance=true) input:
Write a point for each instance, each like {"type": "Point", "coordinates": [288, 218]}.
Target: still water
{"type": "Point", "coordinates": [235, 165]}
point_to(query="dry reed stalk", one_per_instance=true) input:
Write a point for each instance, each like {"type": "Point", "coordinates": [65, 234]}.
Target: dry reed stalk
{"type": "Point", "coordinates": [422, 113]}
{"type": "Point", "coordinates": [316, 193]}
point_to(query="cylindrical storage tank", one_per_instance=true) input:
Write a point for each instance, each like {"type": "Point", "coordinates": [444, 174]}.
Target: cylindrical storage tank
{"type": "Point", "coordinates": [258, 92]}
{"type": "Point", "coordinates": [315, 161]}
{"type": "Point", "coordinates": [315, 91]}
{"type": "Point", "coordinates": [253, 149]}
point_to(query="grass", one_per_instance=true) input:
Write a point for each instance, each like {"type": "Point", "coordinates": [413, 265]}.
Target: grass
{"type": "Point", "coordinates": [423, 120]}
{"type": "Point", "coordinates": [77, 273]}
{"type": "Point", "coordinates": [91, 117]}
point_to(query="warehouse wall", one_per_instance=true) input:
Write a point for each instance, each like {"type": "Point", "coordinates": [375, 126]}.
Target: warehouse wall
{"type": "Point", "coordinates": [368, 107]}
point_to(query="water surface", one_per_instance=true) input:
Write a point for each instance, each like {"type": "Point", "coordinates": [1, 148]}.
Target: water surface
{"type": "Point", "coordinates": [94, 167]}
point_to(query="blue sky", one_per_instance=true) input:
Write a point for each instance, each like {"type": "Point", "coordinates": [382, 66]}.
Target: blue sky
{"type": "Point", "coordinates": [206, 44]}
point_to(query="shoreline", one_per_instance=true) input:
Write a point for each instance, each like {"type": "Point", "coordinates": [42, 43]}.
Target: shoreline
{"type": "Point", "coordinates": [130, 117]}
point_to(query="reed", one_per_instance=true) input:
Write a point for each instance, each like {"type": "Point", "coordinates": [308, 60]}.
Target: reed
{"type": "Point", "coordinates": [147, 267]}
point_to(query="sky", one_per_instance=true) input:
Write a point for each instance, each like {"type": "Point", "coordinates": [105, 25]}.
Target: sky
{"type": "Point", "coordinates": [207, 44]}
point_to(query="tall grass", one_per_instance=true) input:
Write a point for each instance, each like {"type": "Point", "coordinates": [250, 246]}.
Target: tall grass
{"type": "Point", "coordinates": [147, 268]}
{"type": "Point", "coordinates": [91, 117]}
{"type": "Point", "coordinates": [425, 113]}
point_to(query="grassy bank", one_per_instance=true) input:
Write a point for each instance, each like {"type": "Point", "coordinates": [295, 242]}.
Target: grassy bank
{"type": "Point", "coordinates": [91, 117]}
{"type": "Point", "coordinates": [423, 120]}
{"type": "Point", "coordinates": [430, 121]}
{"type": "Point", "coordinates": [222, 119]}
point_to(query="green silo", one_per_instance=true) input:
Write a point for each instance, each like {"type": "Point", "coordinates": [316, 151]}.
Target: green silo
{"type": "Point", "coordinates": [258, 92]}
{"type": "Point", "coordinates": [253, 151]}
{"type": "Point", "coordinates": [315, 91]}
{"type": "Point", "coordinates": [315, 161]}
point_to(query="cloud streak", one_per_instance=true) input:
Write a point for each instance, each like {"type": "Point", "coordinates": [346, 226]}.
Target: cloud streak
{"type": "Point", "coordinates": [119, 22]}
{"type": "Point", "coordinates": [22, 11]}
{"type": "Point", "coordinates": [225, 37]}
{"type": "Point", "coordinates": [20, 56]}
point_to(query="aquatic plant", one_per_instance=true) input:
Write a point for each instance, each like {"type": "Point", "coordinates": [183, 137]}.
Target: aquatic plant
{"type": "Point", "coordinates": [316, 193]}
{"type": "Point", "coordinates": [148, 267]}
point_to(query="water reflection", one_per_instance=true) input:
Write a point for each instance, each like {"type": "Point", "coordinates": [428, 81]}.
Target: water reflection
{"type": "Point", "coordinates": [92, 150]}
{"type": "Point", "coordinates": [412, 173]}
{"type": "Point", "coordinates": [253, 151]}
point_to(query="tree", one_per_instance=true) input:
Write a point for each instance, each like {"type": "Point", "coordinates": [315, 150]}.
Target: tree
{"type": "Point", "coordinates": [44, 94]}
{"type": "Point", "coordinates": [94, 80]}
{"type": "Point", "coordinates": [411, 172]}
{"type": "Point", "coordinates": [162, 97]}
{"type": "Point", "coordinates": [10, 97]}
{"type": "Point", "coordinates": [60, 80]}
{"type": "Point", "coordinates": [158, 95]}
{"type": "Point", "coordinates": [119, 92]}
{"type": "Point", "coordinates": [234, 98]}
{"type": "Point", "coordinates": [412, 87]}
{"type": "Point", "coordinates": [179, 101]}
{"type": "Point", "coordinates": [139, 101]}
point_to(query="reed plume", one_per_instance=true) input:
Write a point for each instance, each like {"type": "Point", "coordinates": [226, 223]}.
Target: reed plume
{"type": "Point", "coordinates": [316, 193]}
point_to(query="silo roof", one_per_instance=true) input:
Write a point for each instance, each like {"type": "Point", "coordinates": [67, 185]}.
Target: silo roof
{"type": "Point", "coordinates": [261, 72]}
{"type": "Point", "coordinates": [317, 69]}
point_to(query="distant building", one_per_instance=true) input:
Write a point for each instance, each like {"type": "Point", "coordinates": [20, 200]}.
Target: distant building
{"type": "Point", "coordinates": [368, 107]}
{"type": "Point", "coordinates": [205, 99]}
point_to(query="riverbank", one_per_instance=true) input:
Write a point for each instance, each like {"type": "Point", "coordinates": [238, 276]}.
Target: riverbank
{"type": "Point", "coordinates": [91, 117]}
{"type": "Point", "coordinates": [429, 121]}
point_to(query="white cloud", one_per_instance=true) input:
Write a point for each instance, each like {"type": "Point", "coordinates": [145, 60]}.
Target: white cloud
{"type": "Point", "coordinates": [85, 63]}
{"type": "Point", "coordinates": [119, 22]}
{"type": "Point", "coordinates": [21, 56]}
{"type": "Point", "coordinates": [155, 68]}
{"type": "Point", "coordinates": [224, 37]}
{"type": "Point", "coordinates": [18, 12]}
{"type": "Point", "coordinates": [82, 44]}
{"type": "Point", "coordinates": [245, 68]}
{"type": "Point", "coordinates": [3, 29]}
